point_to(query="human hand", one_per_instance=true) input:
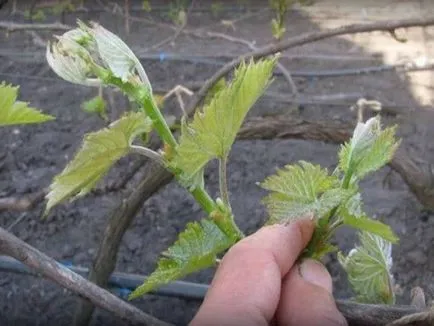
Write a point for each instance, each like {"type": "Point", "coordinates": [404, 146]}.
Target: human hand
{"type": "Point", "coordinates": [259, 283]}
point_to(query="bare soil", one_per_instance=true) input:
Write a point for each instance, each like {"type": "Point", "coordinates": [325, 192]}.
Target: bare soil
{"type": "Point", "coordinates": [32, 155]}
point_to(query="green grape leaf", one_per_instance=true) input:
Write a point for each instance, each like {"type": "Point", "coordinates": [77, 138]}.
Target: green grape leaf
{"type": "Point", "coordinates": [100, 150]}
{"type": "Point", "coordinates": [370, 225]}
{"type": "Point", "coordinates": [195, 249]}
{"type": "Point", "coordinates": [303, 181]}
{"type": "Point", "coordinates": [353, 216]}
{"type": "Point", "coordinates": [13, 112]}
{"type": "Point", "coordinates": [212, 132]}
{"type": "Point", "coordinates": [368, 267]}
{"type": "Point", "coordinates": [218, 86]}
{"type": "Point", "coordinates": [96, 105]}
{"type": "Point", "coordinates": [300, 190]}
{"type": "Point", "coordinates": [369, 149]}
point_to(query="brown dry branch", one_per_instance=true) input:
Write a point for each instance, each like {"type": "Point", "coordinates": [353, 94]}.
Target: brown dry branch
{"type": "Point", "coordinates": [425, 318]}
{"type": "Point", "coordinates": [14, 27]}
{"type": "Point", "coordinates": [119, 221]}
{"type": "Point", "coordinates": [115, 10]}
{"type": "Point", "coordinates": [286, 127]}
{"type": "Point", "coordinates": [358, 314]}
{"type": "Point", "coordinates": [196, 32]}
{"type": "Point", "coordinates": [251, 45]}
{"type": "Point", "coordinates": [304, 39]}
{"type": "Point", "coordinates": [121, 183]}
{"type": "Point", "coordinates": [317, 56]}
{"type": "Point", "coordinates": [178, 31]}
{"type": "Point", "coordinates": [345, 100]}
{"type": "Point", "coordinates": [127, 16]}
{"type": "Point", "coordinates": [201, 34]}
{"type": "Point", "coordinates": [51, 269]}
{"type": "Point", "coordinates": [22, 204]}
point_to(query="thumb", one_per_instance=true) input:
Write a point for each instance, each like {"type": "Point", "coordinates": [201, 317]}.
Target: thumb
{"type": "Point", "coordinates": [307, 299]}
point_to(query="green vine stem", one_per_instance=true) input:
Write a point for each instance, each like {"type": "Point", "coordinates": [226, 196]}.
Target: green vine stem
{"type": "Point", "coordinates": [149, 106]}
{"type": "Point", "coordinates": [204, 199]}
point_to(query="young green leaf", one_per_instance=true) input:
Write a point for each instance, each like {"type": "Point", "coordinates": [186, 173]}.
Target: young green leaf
{"type": "Point", "coordinates": [82, 54]}
{"type": "Point", "coordinates": [303, 181]}
{"type": "Point", "coordinates": [96, 105]}
{"type": "Point", "coordinates": [353, 216]}
{"type": "Point", "coordinates": [367, 224]}
{"type": "Point", "coordinates": [369, 149]}
{"type": "Point", "coordinates": [100, 150]}
{"type": "Point", "coordinates": [300, 190]}
{"type": "Point", "coordinates": [212, 132]}
{"type": "Point", "coordinates": [117, 55]}
{"type": "Point", "coordinates": [368, 268]}
{"type": "Point", "coordinates": [218, 86]}
{"type": "Point", "coordinates": [195, 249]}
{"type": "Point", "coordinates": [13, 112]}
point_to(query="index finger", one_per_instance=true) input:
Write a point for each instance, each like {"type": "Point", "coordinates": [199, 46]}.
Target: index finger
{"type": "Point", "coordinates": [246, 287]}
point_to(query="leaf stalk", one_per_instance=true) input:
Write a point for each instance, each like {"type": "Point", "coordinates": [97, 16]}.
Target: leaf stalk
{"type": "Point", "coordinates": [150, 108]}
{"type": "Point", "coordinates": [149, 153]}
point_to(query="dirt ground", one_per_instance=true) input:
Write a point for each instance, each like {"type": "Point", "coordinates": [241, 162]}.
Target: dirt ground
{"type": "Point", "coordinates": [32, 155]}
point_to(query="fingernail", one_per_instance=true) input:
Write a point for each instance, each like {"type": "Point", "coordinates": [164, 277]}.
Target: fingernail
{"type": "Point", "coordinates": [314, 272]}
